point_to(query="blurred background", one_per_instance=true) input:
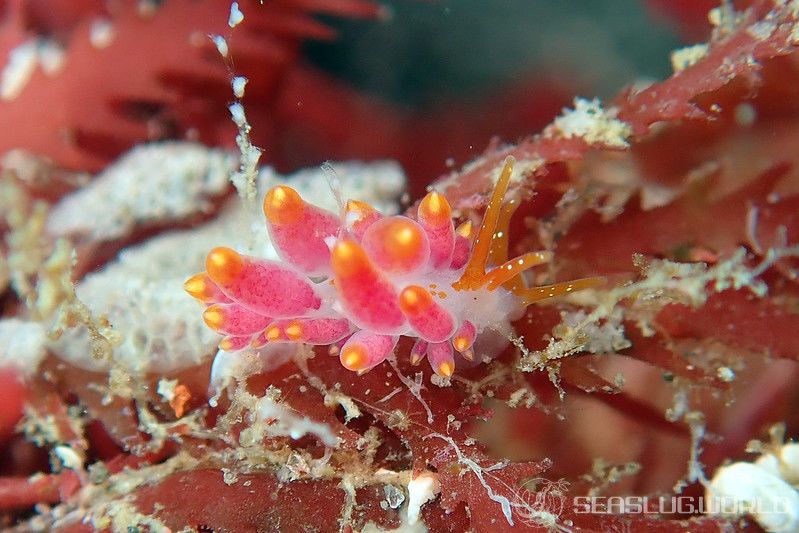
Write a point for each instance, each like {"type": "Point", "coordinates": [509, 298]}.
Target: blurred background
{"type": "Point", "coordinates": [428, 83]}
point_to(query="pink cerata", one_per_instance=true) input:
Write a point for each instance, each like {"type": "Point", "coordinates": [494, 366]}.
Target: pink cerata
{"type": "Point", "coordinates": [365, 279]}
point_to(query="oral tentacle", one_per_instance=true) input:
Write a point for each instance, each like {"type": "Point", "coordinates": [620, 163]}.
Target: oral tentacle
{"type": "Point", "coordinates": [499, 243]}
{"type": "Point", "coordinates": [476, 267]}
{"type": "Point", "coordinates": [233, 319]}
{"type": "Point", "coordinates": [435, 217]}
{"type": "Point", "coordinates": [535, 294]}
{"type": "Point", "coordinates": [298, 230]}
{"type": "Point", "coordinates": [365, 293]}
{"type": "Point", "coordinates": [260, 285]}
{"type": "Point", "coordinates": [427, 317]}
{"type": "Point", "coordinates": [504, 274]}
{"type": "Point", "coordinates": [365, 350]}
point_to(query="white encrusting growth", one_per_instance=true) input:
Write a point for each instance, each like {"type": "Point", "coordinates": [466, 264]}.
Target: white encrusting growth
{"type": "Point", "coordinates": [157, 327]}
{"type": "Point", "coordinates": [592, 123]}
{"type": "Point", "coordinates": [421, 489]}
{"type": "Point", "coordinates": [283, 421]}
{"type": "Point", "coordinates": [683, 58]}
{"type": "Point", "coordinates": [766, 489]}
{"type": "Point", "coordinates": [230, 366]}
{"type": "Point", "coordinates": [745, 488]}
{"type": "Point", "coordinates": [153, 183]}
{"type": "Point", "coordinates": [22, 345]}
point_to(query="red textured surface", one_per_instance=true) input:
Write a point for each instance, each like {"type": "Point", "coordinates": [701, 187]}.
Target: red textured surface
{"type": "Point", "coordinates": [97, 109]}
{"type": "Point", "coordinates": [295, 506]}
{"type": "Point", "coordinates": [13, 395]}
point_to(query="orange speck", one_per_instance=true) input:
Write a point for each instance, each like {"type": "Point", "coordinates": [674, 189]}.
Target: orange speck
{"type": "Point", "coordinates": [224, 265]}
{"type": "Point", "coordinates": [283, 205]}
{"type": "Point", "coordinates": [180, 399]}
{"type": "Point", "coordinates": [442, 295]}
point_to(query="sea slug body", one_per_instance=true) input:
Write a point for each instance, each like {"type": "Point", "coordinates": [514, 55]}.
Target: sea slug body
{"type": "Point", "coordinates": [361, 280]}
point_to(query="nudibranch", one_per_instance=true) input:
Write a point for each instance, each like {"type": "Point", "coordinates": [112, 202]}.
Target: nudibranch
{"type": "Point", "coordinates": [361, 280]}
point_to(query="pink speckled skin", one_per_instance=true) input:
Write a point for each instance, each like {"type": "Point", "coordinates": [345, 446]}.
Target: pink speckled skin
{"type": "Point", "coordinates": [235, 320]}
{"type": "Point", "coordinates": [301, 243]}
{"type": "Point", "coordinates": [272, 289]}
{"type": "Point", "coordinates": [377, 347]}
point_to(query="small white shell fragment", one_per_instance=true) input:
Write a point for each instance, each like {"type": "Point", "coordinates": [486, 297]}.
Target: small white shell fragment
{"type": "Point", "coordinates": [784, 465]}
{"type": "Point", "coordinates": [237, 113]}
{"type": "Point", "coordinates": [68, 457]}
{"type": "Point", "coordinates": [18, 70]}
{"type": "Point", "coordinates": [236, 16]}
{"type": "Point", "coordinates": [221, 45]}
{"type": "Point", "coordinates": [102, 33]}
{"type": "Point", "coordinates": [745, 488]}
{"type": "Point", "coordinates": [725, 374]}
{"type": "Point", "coordinates": [166, 388]}
{"type": "Point", "coordinates": [421, 489]}
{"type": "Point", "coordinates": [789, 466]}
{"type": "Point", "coordinates": [239, 82]}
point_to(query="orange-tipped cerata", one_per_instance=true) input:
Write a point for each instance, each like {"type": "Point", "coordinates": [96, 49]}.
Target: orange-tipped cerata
{"type": "Point", "coordinates": [435, 208]}
{"type": "Point", "coordinates": [223, 265]}
{"type": "Point", "coordinates": [414, 299]}
{"type": "Point", "coordinates": [283, 205]}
